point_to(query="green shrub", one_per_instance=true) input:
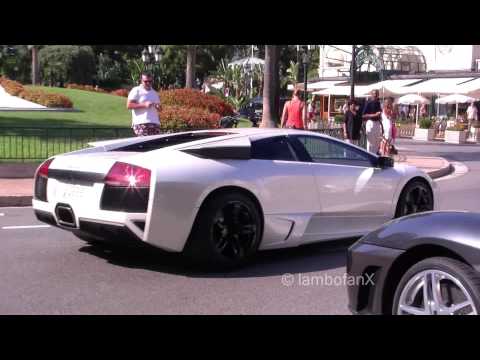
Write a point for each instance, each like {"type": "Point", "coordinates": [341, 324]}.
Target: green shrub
{"type": "Point", "coordinates": [339, 119]}
{"type": "Point", "coordinates": [425, 123]}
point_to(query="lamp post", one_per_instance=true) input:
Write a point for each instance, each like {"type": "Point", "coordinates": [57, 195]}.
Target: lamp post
{"type": "Point", "coordinates": [353, 69]}
{"type": "Point", "coordinates": [306, 54]}
{"type": "Point", "coordinates": [151, 56]}
{"type": "Point", "coordinates": [248, 78]}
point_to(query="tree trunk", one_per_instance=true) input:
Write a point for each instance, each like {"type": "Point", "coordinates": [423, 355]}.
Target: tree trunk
{"type": "Point", "coordinates": [190, 72]}
{"type": "Point", "coordinates": [35, 68]}
{"type": "Point", "coordinates": [270, 85]}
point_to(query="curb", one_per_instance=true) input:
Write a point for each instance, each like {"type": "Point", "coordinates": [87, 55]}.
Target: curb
{"type": "Point", "coordinates": [447, 170]}
{"type": "Point", "coordinates": [11, 201]}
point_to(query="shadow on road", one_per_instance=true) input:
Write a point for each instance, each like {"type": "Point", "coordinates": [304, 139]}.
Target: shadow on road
{"type": "Point", "coordinates": [303, 259]}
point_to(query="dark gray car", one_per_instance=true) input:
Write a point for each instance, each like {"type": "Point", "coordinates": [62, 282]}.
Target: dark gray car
{"type": "Point", "coordinates": [423, 264]}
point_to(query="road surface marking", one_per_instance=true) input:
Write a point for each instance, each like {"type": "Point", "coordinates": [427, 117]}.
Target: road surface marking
{"type": "Point", "coordinates": [2, 214]}
{"type": "Point", "coordinates": [25, 227]}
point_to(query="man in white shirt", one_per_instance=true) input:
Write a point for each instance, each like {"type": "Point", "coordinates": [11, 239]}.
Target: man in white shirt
{"type": "Point", "coordinates": [144, 102]}
{"type": "Point", "coordinates": [472, 114]}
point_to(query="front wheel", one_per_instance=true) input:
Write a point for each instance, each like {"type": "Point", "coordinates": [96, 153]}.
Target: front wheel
{"type": "Point", "coordinates": [438, 286]}
{"type": "Point", "coordinates": [416, 197]}
{"type": "Point", "coordinates": [226, 233]}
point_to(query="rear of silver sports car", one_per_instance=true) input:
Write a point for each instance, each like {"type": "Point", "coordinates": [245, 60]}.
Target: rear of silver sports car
{"type": "Point", "coordinates": [98, 197]}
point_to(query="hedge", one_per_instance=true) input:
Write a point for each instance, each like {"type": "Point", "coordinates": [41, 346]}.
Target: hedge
{"type": "Point", "coordinates": [189, 98]}
{"type": "Point", "coordinates": [14, 88]}
{"type": "Point", "coordinates": [86, 88]}
{"type": "Point", "coordinates": [182, 118]}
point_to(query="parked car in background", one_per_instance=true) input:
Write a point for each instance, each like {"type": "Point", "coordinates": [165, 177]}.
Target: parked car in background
{"type": "Point", "coordinates": [423, 264]}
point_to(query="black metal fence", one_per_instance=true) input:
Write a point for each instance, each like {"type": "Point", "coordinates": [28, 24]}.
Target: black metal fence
{"type": "Point", "coordinates": [29, 144]}
{"type": "Point", "coordinates": [34, 144]}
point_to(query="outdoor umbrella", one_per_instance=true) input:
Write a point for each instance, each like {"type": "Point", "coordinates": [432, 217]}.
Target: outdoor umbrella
{"type": "Point", "coordinates": [413, 99]}
{"type": "Point", "coordinates": [455, 99]}
{"type": "Point", "coordinates": [249, 60]}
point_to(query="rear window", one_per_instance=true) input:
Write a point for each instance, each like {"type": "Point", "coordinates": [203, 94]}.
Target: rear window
{"type": "Point", "coordinates": [170, 141]}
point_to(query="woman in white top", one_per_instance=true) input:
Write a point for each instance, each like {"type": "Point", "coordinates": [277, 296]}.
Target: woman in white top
{"type": "Point", "coordinates": [388, 128]}
{"type": "Point", "coordinates": [387, 121]}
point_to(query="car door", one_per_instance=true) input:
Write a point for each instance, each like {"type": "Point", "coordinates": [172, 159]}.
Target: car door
{"type": "Point", "coordinates": [355, 196]}
{"type": "Point", "coordinates": [288, 192]}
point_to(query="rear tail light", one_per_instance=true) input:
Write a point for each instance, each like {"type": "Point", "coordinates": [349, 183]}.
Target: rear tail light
{"type": "Point", "coordinates": [127, 188]}
{"type": "Point", "coordinates": [41, 179]}
{"type": "Point", "coordinates": [43, 169]}
{"type": "Point", "coordinates": [126, 175]}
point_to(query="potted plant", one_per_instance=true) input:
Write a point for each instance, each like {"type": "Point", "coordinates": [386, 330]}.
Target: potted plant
{"type": "Point", "coordinates": [424, 132]}
{"type": "Point", "coordinates": [455, 134]}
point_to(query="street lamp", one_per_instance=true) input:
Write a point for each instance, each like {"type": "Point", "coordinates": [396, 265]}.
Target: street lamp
{"type": "Point", "coordinates": [306, 51]}
{"type": "Point", "coordinates": [249, 77]}
{"type": "Point", "coordinates": [151, 56]}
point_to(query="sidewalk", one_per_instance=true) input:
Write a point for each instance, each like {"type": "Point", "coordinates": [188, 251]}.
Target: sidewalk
{"type": "Point", "coordinates": [18, 192]}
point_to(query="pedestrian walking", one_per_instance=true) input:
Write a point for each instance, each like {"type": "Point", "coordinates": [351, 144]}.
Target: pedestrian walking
{"type": "Point", "coordinates": [313, 112]}
{"type": "Point", "coordinates": [352, 124]}
{"type": "Point", "coordinates": [472, 114]}
{"type": "Point", "coordinates": [293, 116]}
{"type": "Point", "coordinates": [388, 130]}
{"type": "Point", "coordinates": [372, 114]}
{"type": "Point", "coordinates": [144, 102]}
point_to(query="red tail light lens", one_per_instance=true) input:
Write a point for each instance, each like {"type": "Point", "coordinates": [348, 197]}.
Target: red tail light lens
{"type": "Point", "coordinates": [43, 169]}
{"type": "Point", "coordinates": [126, 175]}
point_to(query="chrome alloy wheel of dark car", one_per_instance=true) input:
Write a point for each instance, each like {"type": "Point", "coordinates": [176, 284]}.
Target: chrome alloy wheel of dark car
{"type": "Point", "coordinates": [435, 292]}
{"type": "Point", "coordinates": [234, 230]}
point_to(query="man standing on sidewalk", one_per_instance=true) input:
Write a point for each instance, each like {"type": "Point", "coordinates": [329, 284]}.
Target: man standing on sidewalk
{"type": "Point", "coordinates": [372, 114]}
{"type": "Point", "coordinates": [144, 102]}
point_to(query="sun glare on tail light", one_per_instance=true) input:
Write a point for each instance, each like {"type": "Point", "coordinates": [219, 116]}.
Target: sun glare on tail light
{"type": "Point", "coordinates": [126, 175]}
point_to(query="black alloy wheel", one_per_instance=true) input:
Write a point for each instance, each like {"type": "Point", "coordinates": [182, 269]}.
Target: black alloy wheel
{"type": "Point", "coordinates": [234, 230]}
{"type": "Point", "coordinates": [227, 232]}
{"type": "Point", "coordinates": [416, 197]}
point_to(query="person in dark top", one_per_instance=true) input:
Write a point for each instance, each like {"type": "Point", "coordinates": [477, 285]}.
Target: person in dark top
{"type": "Point", "coordinates": [372, 114]}
{"type": "Point", "coordinates": [351, 124]}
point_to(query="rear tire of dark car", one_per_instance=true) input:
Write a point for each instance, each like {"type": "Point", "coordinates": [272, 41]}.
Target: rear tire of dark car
{"type": "Point", "coordinates": [416, 197]}
{"type": "Point", "coordinates": [458, 287]}
{"type": "Point", "coordinates": [226, 234]}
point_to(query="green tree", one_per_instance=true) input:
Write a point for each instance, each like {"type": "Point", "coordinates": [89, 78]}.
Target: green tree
{"type": "Point", "coordinates": [67, 63]}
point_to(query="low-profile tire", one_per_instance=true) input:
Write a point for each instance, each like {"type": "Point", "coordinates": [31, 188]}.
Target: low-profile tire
{"type": "Point", "coordinates": [457, 285]}
{"type": "Point", "coordinates": [416, 197]}
{"type": "Point", "coordinates": [226, 234]}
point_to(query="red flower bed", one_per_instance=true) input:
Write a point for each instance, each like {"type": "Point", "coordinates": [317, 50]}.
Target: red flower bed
{"type": "Point", "coordinates": [14, 88]}
{"type": "Point", "coordinates": [181, 118]}
{"type": "Point", "coordinates": [190, 98]}
{"type": "Point", "coordinates": [120, 92]}
{"type": "Point", "coordinates": [86, 88]}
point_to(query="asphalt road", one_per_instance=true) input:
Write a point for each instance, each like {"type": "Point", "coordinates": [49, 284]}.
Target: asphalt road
{"type": "Point", "coordinates": [44, 270]}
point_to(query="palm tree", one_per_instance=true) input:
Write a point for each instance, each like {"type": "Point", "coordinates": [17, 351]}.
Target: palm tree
{"type": "Point", "coordinates": [270, 86]}
{"type": "Point", "coordinates": [190, 71]}
{"type": "Point", "coordinates": [35, 67]}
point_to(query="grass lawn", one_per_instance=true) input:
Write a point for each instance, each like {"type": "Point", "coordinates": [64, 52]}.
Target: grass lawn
{"type": "Point", "coordinates": [94, 110]}
{"type": "Point", "coordinates": [53, 133]}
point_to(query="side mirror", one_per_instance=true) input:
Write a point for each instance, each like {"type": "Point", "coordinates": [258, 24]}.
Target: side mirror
{"type": "Point", "coordinates": [385, 162]}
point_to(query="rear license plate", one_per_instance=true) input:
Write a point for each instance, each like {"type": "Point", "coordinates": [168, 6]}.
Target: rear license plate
{"type": "Point", "coordinates": [69, 192]}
